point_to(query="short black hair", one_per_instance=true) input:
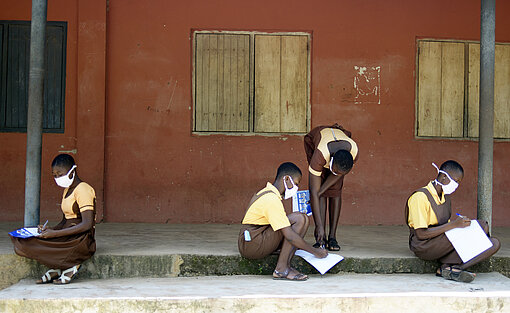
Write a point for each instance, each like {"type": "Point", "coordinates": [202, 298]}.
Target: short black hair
{"type": "Point", "coordinates": [63, 160]}
{"type": "Point", "coordinates": [343, 161]}
{"type": "Point", "coordinates": [288, 168]}
{"type": "Point", "coordinates": [452, 166]}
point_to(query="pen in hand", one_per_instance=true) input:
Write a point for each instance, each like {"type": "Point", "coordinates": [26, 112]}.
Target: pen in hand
{"type": "Point", "coordinates": [465, 220]}
{"type": "Point", "coordinates": [42, 228]}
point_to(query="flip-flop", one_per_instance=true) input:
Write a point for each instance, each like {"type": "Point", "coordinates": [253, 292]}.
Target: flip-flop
{"type": "Point", "coordinates": [456, 274]}
{"type": "Point", "coordinates": [285, 276]}
{"type": "Point", "coordinates": [333, 245]}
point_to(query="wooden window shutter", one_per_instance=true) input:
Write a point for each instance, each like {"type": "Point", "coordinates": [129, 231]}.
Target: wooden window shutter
{"type": "Point", "coordinates": [440, 89]}
{"type": "Point", "coordinates": [501, 91]}
{"type": "Point", "coordinates": [473, 89]}
{"type": "Point", "coordinates": [54, 78]}
{"type": "Point", "coordinates": [15, 72]}
{"type": "Point", "coordinates": [281, 83]}
{"type": "Point", "coordinates": [16, 92]}
{"type": "Point", "coordinates": [222, 78]}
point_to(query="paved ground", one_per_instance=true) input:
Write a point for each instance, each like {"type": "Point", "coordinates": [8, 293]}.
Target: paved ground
{"type": "Point", "coordinates": [142, 251]}
{"type": "Point", "coordinates": [220, 239]}
{"type": "Point", "coordinates": [261, 285]}
{"type": "Point", "coordinates": [331, 293]}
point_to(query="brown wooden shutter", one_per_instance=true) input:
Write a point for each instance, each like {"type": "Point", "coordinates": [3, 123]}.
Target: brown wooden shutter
{"type": "Point", "coordinates": [222, 72]}
{"type": "Point", "coordinates": [440, 89]}
{"type": "Point", "coordinates": [281, 82]}
{"type": "Point", "coordinates": [501, 91]}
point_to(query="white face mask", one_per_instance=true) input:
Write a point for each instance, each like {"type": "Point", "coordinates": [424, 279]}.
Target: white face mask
{"type": "Point", "coordinates": [64, 181]}
{"type": "Point", "coordinates": [451, 186]}
{"type": "Point", "coordinates": [290, 192]}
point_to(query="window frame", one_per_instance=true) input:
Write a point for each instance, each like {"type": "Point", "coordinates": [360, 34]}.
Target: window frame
{"type": "Point", "coordinates": [4, 79]}
{"type": "Point", "coordinates": [465, 125]}
{"type": "Point", "coordinates": [251, 121]}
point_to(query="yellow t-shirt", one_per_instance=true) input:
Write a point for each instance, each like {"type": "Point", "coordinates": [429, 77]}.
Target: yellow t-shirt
{"type": "Point", "coordinates": [267, 210]}
{"type": "Point", "coordinates": [80, 200]}
{"type": "Point", "coordinates": [421, 214]}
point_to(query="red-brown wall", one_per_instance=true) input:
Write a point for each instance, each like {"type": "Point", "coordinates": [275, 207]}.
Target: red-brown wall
{"type": "Point", "coordinates": [156, 170]}
{"type": "Point", "coordinates": [84, 110]}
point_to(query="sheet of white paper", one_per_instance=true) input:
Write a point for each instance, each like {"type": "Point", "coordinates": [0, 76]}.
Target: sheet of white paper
{"type": "Point", "coordinates": [469, 241]}
{"type": "Point", "coordinates": [322, 265]}
{"type": "Point", "coordinates": [33, 230]}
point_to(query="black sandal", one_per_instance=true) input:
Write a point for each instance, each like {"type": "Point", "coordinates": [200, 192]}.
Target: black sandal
{"type": "Point", "coordinates": [456, 274]}
{"type": "Point", "coordinates": [319, 245]}
{"type": "Point", "coordinates": [333, 245]}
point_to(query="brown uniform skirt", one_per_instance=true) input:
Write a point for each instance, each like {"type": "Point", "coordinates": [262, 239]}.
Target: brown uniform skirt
{"type": "Point", "coordinates": [58, 253]}
{"type": "Point", "coordinates": [264, 241]}
{"type": "Point", "coordinates": [438, 248]}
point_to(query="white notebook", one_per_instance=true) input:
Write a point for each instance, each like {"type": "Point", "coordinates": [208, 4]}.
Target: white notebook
{"type": "Point", "coordinates": [469, 241]}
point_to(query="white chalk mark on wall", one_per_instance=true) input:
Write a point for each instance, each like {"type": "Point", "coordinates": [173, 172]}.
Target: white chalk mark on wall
{"type": "Point", "coordinates": [367, 83]}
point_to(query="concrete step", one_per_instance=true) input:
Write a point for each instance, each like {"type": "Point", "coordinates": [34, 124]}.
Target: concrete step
{"type": "Point", "coordinates": [167, 250]}
{"type": "Point", "coordinates": [490, 292]}
{"type": "Point", "coordinates": [14, 268]}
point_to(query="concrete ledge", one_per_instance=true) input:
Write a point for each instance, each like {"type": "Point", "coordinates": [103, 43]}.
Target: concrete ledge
{"type": "Point", "coordinates": [332, 293]}
{"type": "Point", "coordinates": [366, 304]}
{"type": "Point", "coordinates": [167, 250]}
{"type": "Point", "coordinates": [13, 268]}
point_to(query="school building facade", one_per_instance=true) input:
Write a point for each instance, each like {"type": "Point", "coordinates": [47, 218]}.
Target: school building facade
{"type": "Point", "coordinates": [178, 111]}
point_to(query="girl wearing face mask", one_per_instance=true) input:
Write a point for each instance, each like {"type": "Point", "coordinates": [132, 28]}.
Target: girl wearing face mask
{"type": "Point", "coordinates": [428, 213]}
{"type": "Point", "coordinates": [266, 227]}
{"type": "Point", "coordinates": [66, 245]}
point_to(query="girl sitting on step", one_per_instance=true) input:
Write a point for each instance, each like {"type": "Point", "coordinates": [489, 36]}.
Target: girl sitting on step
{"type": "Point", "coordinates": [65, 246]}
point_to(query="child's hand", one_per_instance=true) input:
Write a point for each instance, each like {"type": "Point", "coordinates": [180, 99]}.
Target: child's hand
{"type": "Point", "coordinates": [461, 222]}
{"type": "Point", "coordinates": [48, 233]}
{"type": "Point", "coordinates": [320, 253]}
{"type": "Point", "coordinates": [41, 228]}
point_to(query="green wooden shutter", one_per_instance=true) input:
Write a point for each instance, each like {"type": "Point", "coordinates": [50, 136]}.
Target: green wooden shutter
{"type": "Point", "coordinates": [15, 72]}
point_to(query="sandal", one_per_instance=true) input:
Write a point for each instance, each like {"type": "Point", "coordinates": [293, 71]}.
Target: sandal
{"type": "Point", "coordinates": [64, 279]}
{"type": "Point", "coordinates": [333, 245]}
{"type": "Point", "coordinates": [48, 278]}
{"type": "Point", "coordinates": [456, 274]}
{"type": "Point", "coordinates": [319, 244]}
{"type": "Point", "coordinates": [285, 275]}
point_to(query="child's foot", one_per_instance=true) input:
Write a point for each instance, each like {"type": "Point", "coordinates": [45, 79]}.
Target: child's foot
{"type": "Point", "coordinates": [67, 275]}
{"type": "Point", "coordinates": [333, 245]}
{"type": "Point", "coordinates": [457, 274]}
{"type": "Point", "coordinates": [49, 276]}
{"type": "Point", "coordinates": [289, 274]}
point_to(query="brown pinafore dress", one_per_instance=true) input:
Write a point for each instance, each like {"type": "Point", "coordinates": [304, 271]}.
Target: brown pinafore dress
{"type": "Point", "coordinates": [264, 240]}
{"type": "Point", "coordinates": [60, 252]}
{"type": "Point", "coordinates": [437, 248]}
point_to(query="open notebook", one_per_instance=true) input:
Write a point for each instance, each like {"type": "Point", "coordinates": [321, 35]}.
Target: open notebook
{"type": "Point", "coordinates": [25, 232]}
